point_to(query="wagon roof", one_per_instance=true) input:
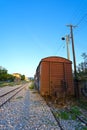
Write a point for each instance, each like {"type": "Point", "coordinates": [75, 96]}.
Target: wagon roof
{"type": "Point", "coordinates": [56, 59]}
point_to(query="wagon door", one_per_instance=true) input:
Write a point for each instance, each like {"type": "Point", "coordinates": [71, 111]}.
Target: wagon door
{"type": "Point", "coordinates": [56, 76]}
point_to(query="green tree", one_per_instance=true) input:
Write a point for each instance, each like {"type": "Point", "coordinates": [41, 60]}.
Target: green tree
{"type": "Point", "coordinates": [3, 70]}
{"type": "Point", "coordinates": [10, 77]}
{"type": "Point", "coordinates": [82, 67]}
{"type": "Point", "coordinates": [22, 77]}
{"type": "Point", "coordinates": [4, 76]}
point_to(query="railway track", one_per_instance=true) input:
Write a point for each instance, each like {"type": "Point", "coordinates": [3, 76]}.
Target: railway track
{"type": "Point", "coordinates": [10, 94]}
{"type": "Point", "coordinates": [80, 118]}
{"type": "Point", "coordinates": [59, 124]}
{"type": "Point", "coordinates": [55, 112]}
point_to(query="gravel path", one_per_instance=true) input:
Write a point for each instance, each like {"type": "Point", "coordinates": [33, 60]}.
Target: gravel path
{"type": "Point", "coordinates": [27, 111]}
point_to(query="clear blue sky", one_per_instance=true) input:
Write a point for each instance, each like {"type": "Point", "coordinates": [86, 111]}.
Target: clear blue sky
{"type": "Point", "coordinates": [32, 29]}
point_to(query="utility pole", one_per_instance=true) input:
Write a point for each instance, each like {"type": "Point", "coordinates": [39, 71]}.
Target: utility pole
{"type": "Point", "coordinates": [67, 38]}
{"type": "Point", "coordinates": [74, 62]}
{"type": "Point", "coordinates": [67, 44]}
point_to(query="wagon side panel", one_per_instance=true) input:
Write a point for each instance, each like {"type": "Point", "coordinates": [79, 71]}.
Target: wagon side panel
{"type": "Point", "coordinates": [56, 76]}
{"type": "Point", "coordinates": [69, 79]}
{"type": "Point", "coordinates": [44, 76]}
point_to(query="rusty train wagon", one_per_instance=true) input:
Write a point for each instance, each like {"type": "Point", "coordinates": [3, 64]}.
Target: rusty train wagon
{"type": "Point", "coordinates": [54, 76]}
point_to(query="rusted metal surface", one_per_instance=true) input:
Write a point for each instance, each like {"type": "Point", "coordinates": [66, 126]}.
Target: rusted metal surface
{"type": "Point", "coordinates": [54, 77]}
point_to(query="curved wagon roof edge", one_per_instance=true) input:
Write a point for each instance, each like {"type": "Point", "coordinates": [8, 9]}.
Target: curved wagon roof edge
{"type": "Point", "coordinates": [51, 58]}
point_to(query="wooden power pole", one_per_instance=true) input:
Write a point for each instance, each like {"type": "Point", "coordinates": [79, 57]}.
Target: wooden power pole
{"type": "Point", "coordinates": [74, 62]}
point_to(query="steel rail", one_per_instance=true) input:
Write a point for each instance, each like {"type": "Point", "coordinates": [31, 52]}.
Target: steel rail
{"type": "Point", "coordinates": [53, 112]}
{"type": "Point", "coordinates": [9, 92]}
{"type": "Point", "coordinates": [10, 97]}
{"type": "Point", "coordinates": [80, 119]}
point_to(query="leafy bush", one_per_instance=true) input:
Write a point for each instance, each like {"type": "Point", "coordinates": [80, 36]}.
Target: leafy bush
{"type": "Point", "coordinates": [63, 115]}
{"type": "Point", "coordinates": [31, 86]}
{"type": "Point", "coordinates": [76, 110]}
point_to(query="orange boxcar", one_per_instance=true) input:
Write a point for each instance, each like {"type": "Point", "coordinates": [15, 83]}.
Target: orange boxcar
{"type": "Point", "coordinates": [54, 76]}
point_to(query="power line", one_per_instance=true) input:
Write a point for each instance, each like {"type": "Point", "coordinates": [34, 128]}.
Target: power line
{"type": "Point", "coordinates": [61, 46]}
{"type": "Point", "coordinates": [81, 19]}
{"type": "Point", "coordinates": [77, 12]}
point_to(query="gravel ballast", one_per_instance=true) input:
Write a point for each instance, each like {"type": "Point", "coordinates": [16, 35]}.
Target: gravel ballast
{"type": "Point", "coordinates": [27, 111]}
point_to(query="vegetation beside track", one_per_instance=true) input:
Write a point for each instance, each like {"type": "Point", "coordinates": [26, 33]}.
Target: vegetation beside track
{"type": "Point", "coordinates": [4, 83]}
{"type": "Point", "coordinates": [31, 86]}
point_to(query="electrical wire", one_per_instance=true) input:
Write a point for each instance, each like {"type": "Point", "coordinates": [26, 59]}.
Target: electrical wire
{"type": "Point", "coordinates": [76, 11]}
{"type": "Point", "coordinates": [61, 46]}
{"type": "Point", "coordinates": [81, 19]}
